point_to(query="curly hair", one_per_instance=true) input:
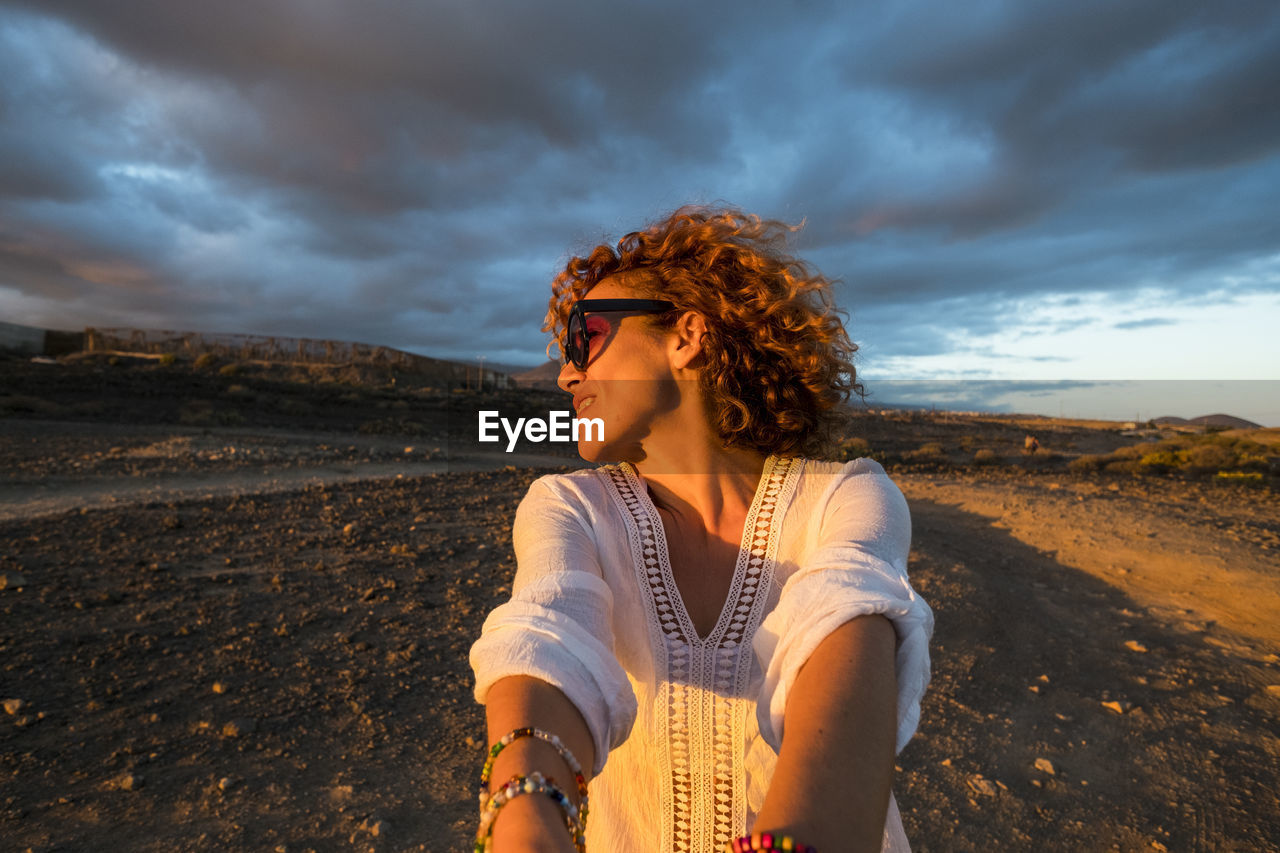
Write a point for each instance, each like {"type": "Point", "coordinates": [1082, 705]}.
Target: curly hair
{"type": "Point", "coordinates": [778, 362]}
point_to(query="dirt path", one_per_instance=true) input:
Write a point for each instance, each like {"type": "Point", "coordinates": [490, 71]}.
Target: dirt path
{"type": "Point", "coordinates": [61, 494]}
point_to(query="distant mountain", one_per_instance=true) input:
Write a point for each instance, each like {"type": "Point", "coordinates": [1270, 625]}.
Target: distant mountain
{"type": "Point", "coordinates": [1228, 421]}
{"type": "Point", "coordinates": [1225, 421]}
{"type": "Point", "coordinates": [542, 377]}
{"type": "Point", "coordinates": [503, 367]}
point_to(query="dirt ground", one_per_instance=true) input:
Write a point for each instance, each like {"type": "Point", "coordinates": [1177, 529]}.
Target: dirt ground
{"type": "Point", "coordinates": [253, 635]}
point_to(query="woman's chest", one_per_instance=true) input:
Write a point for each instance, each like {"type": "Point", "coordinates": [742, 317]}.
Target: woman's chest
{"type": "Point", "coordinates": [703, 564]}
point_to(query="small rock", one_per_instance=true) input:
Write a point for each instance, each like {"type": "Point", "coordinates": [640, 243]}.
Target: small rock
{"type": "Point", "coordinates": [219, 687]}
{"type": "Point", "coordinates": [1044, 765]}
{"type": "Point", "coordinates": [1044, 679]}
{"type": "Point", "coordinates": [172, 522]}
{"type": "Point", "coordinates": [376, 826]}
{"type": "Point", "coordinates": [126, 782]}
{"type": "Point", "coordinates": [12, 580]}
{"type": "Point", "coordinates": [1034, 688]}
{"type": "Point", "coordinates": [946, 762]}
{"type": "Point", "coordinates": [1135, 646]}
{"type": "Point", "coordinates": [226, 783]}
{"type": "Point", "coordinates": [1118, 707]}
{"type": "Point", "coordinates": [348, 529]}
{"type": "Point", "coordinates": [239, 727]}
{"type": "Point", "coordinates": [980, 785]}
{"type": "Point", "coordinates": [13, 706]}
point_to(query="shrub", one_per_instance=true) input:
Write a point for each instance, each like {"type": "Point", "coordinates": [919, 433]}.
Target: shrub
{"type": "Point", "coordinates": [928, 454]}
{"type": "Point", "coordinates": [168, 359]}
{"type": "Point", "coordinates": [230, 370]}
{"type": "Point", "coordinates": [1122, 466]}
{"type": "Point", "coordinates": [1243, 478]}
{"type": "Point", "coordinates": [853, 447]}
{"type": "Point", "coordinates": [205, 360]}
{"type": "Point", "coordinates": [986, 457]}
{"type": "Point", "coordinates": [1208, 457]}
{"type": "Point", "coordinates": [1158, 461]}
{"type": "Point", "coordinates": [1088, 464]}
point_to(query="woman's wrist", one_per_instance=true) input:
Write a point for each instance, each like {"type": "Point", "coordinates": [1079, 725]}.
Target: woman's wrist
{"type": "Point", "coordinates": [531, 824]}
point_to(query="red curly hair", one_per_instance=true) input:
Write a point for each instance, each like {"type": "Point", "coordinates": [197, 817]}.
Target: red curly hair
{"type": "Point", "coordinates": [778, 362]}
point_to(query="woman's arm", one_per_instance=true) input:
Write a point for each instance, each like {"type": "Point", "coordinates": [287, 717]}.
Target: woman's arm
{"type": "Point", "coordinates": [533, 822]}
{"type": "Point", "coordinates": [831, 786]}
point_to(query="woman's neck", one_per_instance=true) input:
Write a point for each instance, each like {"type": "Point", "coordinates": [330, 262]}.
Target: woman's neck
{"type": "Point", "coordinates": [700, 480]}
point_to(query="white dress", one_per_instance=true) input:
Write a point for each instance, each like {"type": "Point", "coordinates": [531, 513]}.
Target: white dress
{"type": "Point", "coordinates": [687, 728]}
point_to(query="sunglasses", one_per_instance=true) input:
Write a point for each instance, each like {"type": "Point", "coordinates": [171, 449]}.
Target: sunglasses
{"type": "Point", "coordinates": [583, 329]}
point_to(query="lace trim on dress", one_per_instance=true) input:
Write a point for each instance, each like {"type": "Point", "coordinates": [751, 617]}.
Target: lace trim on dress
{"type": "Point", "coordinates": [706, 684]}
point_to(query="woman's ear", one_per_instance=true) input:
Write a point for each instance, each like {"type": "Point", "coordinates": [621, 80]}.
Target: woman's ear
{"type": "Point", "coordinates": [686, 345]}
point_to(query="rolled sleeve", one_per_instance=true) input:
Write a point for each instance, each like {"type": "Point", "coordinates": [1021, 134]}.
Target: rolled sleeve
{"type": "Point", "coordinates": [557, 627]}
{"type": "Point", "coordinates": [858, 567]}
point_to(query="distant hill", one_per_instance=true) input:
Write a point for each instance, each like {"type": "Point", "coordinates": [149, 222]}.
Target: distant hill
{"type": "Point", "coordinates": [542, 377]}
{"type": "Point", "coordinates": [1225, 421]}
{"type": "Point", "coordinates": [1228, 421]}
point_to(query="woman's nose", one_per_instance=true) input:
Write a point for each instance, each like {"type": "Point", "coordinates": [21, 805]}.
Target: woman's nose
{"type": "Point", "coordinates": [569, 376]}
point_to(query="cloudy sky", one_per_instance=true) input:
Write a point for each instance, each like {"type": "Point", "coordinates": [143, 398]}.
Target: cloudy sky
{"type": "Point", "coordinates": [1072, 190]}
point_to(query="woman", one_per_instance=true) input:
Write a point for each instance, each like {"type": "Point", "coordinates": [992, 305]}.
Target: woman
{"type": "Point", "coordinates": [717, 628]}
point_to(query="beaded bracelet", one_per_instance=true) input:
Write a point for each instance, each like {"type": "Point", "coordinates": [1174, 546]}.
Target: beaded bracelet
{"type": "Point", "coordinates": [534, 783]}
{"type": "Point", "coordinates": [529, 731]}
{"type": "Point", "coordinates": [767, 842]}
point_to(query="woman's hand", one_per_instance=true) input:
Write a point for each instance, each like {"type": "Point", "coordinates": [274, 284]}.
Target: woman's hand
{"type": "Point", "coordinates": [830, 789]}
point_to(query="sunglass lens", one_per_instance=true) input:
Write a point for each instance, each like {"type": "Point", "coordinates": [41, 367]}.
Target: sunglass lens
{"type": "Point", "coordinates": [576, 342]}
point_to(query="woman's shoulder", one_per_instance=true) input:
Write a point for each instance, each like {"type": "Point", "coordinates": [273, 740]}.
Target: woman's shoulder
{"type": "Point", "coordinates": [576, 481]}
{"type": "Point", "coordinates": [856, 474]}
{"type": "Point", "coordinates": [859, 486]}
{"type": "Point", "coordinates": [584, 491]}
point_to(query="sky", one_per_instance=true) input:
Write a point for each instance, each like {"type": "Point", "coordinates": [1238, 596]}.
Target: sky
{"type": "Point", "coordinates": [1041, 191]}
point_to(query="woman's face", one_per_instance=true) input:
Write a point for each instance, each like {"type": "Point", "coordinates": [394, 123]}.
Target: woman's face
{"type": "Point", "coordinates": [627, 383]}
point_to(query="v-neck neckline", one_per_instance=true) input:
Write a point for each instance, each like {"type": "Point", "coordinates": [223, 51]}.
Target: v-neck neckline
{"type": "Point", "coordinates": [733, 599]}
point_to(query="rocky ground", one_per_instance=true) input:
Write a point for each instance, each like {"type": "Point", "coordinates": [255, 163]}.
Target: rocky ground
{"type": "Point", "coordinates": [253, 635]}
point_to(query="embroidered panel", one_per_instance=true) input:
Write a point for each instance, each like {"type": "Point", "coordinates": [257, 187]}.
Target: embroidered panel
{"type": "Point", "coordinates": [705, 691]}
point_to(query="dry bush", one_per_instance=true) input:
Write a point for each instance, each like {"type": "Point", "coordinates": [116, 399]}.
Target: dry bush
{"type": "Point", "coordinates": [1208, 458]}
{"type": "Point", "coordinates": [234, 369]}
{"type": "Point", "coordinates": [853, 448]}
{"type": "Point", "coordinates": [1239, 478]}
{"type": "Point", "coordinates": [986, 456]}
{"type": "Point", "coordinates": [1089, 463]}
{"type": "Point", "coordinates": [205, 360]}
{"type": "Point", "coordinates": [929, 454]}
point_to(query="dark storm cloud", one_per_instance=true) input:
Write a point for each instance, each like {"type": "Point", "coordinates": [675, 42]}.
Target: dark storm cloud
{"type": "Point", "coordinates": [413, 174]}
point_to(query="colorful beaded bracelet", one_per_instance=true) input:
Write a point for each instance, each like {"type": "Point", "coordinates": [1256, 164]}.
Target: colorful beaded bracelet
{"type": "Point", "coordinates": [534, 783]}
{"type": "Point", "coordinates": [529, 731]}
{"type": "Point", "coordinates": [767, 842]}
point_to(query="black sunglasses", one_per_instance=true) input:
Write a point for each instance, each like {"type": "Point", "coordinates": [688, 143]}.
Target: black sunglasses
{"type": "Point", "coordinates": [578, 342]}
